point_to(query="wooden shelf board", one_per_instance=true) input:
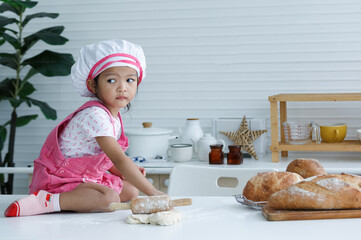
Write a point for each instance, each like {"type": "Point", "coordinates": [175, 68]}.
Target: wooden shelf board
{"type": "Point", "coordinates": [344, 146]}
{"type": "Point", "coordinates": [316, 97]}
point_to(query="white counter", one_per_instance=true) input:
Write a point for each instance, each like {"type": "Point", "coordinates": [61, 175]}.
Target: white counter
{"type": "Point", "coordinates": [211, 218]}
{"type": "Point", "coordinates": [332, 162]}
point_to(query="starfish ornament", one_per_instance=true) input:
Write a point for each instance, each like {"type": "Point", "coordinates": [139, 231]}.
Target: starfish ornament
{"type": "Point", "coordinates": [245, 137]}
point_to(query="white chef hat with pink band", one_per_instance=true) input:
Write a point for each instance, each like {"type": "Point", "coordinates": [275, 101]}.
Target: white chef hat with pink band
{"type": "Point", "coordinates": [95, 58]}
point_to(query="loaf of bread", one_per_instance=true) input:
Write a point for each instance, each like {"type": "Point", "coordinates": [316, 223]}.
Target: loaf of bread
{"type": "Point", "coordinates": [331, 191]}
{"type": "Point", "coordinates": [261, 186]}
{"type": "Point", "coordinates": [306, 167]}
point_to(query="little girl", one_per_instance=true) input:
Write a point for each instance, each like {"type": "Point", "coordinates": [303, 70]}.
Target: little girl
{"type": "Point", "coordinates": [82, 166]}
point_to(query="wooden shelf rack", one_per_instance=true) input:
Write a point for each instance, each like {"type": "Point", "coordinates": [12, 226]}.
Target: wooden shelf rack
{"type": "Point", "coordinates": [279, 145]}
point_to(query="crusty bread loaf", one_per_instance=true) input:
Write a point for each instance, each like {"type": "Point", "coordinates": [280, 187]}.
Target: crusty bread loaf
{"type": "Point", "coordinates": [331, 191]}
{"type": "Point", "coordinates": [306, 167]}
{"type": "Point", "coordinates": [261, 186]}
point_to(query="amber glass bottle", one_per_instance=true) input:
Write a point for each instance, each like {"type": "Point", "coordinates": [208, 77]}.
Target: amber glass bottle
{"type": "Point", "coordinates": [216, 155]}
{"type": "Point", "coordinates": [235, 156]}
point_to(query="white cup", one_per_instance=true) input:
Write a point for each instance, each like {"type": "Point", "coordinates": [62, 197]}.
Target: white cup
{"type": "Point", "coordinates": [181, 152]}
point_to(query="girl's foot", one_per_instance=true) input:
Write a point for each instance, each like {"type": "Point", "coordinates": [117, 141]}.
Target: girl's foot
{"type": "Point", "coordinates": [37, 203]}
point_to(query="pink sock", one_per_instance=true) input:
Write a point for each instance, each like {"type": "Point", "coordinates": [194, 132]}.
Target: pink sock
{"type": "Point", "coordinates": [36, 203]}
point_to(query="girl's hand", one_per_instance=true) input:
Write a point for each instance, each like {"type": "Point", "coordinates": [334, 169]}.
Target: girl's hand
{"type": "Point", "coordinates": [115, 171]}
{"type": "Point", "coordinates": [156, 192]}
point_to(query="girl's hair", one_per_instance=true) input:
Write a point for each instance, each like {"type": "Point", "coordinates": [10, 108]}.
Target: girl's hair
{"type": "Point", "coordinates": [127, 108]}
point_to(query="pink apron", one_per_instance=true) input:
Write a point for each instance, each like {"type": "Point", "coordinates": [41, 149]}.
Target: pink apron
{"type": "Point", "coordinates": [55, 173]}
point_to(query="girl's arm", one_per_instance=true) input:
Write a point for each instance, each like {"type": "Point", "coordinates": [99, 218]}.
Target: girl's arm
{"type": "Point", "coordinates": [113, 170]}
{"type": "Point", "coordinates": [126, 166]}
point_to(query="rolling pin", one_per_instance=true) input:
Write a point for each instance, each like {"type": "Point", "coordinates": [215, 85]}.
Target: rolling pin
{"type": "Point", "coordinates": [151, 204]}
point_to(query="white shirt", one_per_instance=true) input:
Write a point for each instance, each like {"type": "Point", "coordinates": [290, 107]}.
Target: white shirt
{"type": "Point", "coordinates": [78, 137]}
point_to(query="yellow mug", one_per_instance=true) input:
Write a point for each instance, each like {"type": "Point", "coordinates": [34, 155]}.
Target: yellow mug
{"type": "Point", "coordinates": [333, 133]}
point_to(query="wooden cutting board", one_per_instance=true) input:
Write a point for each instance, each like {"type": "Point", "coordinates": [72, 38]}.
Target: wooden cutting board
{"type": "Point", "coordinates": [286, 215]}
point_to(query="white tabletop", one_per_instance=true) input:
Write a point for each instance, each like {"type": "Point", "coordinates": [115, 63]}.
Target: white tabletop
{"type": "Point", "coordinates": [220, 218]}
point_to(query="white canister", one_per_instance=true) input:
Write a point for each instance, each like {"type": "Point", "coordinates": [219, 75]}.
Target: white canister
{"type": "Point", "coordinates": [202, 148]}
{"type": "Point", "coordinates": [192, 132]}
{"type": "Point", "coordinates": [149, 142]}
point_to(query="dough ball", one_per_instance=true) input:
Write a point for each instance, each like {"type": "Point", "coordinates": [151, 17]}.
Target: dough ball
{"type": "Point", "coordinates": [164, 218]}
{"type": "Point", "coordinates": [138, 219]}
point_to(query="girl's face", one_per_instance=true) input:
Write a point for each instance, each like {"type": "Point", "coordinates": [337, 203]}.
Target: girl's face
{"type": "Point", "coordinates": [116, 87]}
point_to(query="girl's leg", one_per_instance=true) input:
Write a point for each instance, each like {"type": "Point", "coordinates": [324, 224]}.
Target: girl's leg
{"type": "Point", "coordinates": [88, 197]}
{"type": "Point", "coordinates": [129, 192]}
{"type": "Point", "coordinates": [36, 203]}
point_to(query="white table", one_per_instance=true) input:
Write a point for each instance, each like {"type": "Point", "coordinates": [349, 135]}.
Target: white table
{"type": "Point", "coordinates": [220, 218]}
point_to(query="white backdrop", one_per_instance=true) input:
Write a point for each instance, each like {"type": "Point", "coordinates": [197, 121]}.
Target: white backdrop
{"type": "Point", "coordinates": [207, 59]}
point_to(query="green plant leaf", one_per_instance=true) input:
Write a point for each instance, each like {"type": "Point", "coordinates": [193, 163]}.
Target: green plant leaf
{"type": "Point", "coordinates": [7, 88]}
{"type": "Point", "coordinates": [17, 3]}
{"type": "Point", "coordinates": [27, 101]}
{"type": "Point", "coordinates": [52, 35]}
{"type": "Point", "coordinates": [2, 136]}
{"type": "Point", "coordinates": [51, 63]}
{"type": "Point", "coordinates": [48, 112]}
{"type": "Point", "coordinates": [26, 89]}
{"type": "Point", "coordinates": [5, 21]}
{"type": "Point", "coordinates": [39, 15]}
{"type": "Point", "coordinates": [8, 29]}
{"type": "Point", "coordinates": [7, 7]}
{"type": "Point", "coordinates": [23, 120]}
{"type": "Point", "coordinates": [31, 73]}
{"type": "Point", "coordinates": [13, 41]}
{"type": "Point", "coordinates": [15, 103]}
{"type": "Point", "coordinates": [9, 60]}
{"type": "Point", "coordinates": [20, 6]}
{"type": "Point", "coordinates": [49, 35]}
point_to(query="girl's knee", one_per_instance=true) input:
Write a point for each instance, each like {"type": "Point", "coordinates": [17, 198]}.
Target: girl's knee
{"type": "Point", "coordinates": [133, 193]}
{"type": "Point", "coordinates": [110, 197]}
{"type": "Point", "coordinates": [129, 192]}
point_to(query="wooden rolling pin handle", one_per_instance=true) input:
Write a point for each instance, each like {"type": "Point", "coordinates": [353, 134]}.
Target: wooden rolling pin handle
{"type": "Point", "coordinates": [119, 206]}
{"type": "Point", "coordinates": [181, 202]}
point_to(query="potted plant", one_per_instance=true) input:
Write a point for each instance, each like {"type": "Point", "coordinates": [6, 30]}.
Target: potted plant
{"type": "Point", "coordinates": [16, 89]}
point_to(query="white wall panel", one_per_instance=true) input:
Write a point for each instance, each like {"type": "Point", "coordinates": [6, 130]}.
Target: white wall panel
{"type": "Point", "coordinates": [208, 59]}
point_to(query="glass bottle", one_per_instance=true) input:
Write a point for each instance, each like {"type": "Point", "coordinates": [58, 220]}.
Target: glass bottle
{"type": "Point", "coordinates": [235, 156]}
{"type": "Point", "coordinates": [216, 155]}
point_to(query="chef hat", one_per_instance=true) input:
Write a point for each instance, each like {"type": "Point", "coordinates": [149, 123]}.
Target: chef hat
{"type": "Point", "coordinates": [95, 58]}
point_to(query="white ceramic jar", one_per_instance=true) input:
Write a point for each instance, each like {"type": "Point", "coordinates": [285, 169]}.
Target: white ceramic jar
{"type": "Point", "coordinates": [192, 132]}
{"type": "Point", "coordinates": [202, 146]}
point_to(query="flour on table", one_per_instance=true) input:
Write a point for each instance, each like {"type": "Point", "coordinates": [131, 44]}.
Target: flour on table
{"type": "Point", "coordinates": [164, 218]}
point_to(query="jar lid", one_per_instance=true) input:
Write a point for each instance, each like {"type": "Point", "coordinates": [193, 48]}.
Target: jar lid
{"type": "Point", "coordinates": [216, 146]}
{"type": "Point", "coordinates": [147, 131]}
{"type": "Point", "coordinates": [234, 146]}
